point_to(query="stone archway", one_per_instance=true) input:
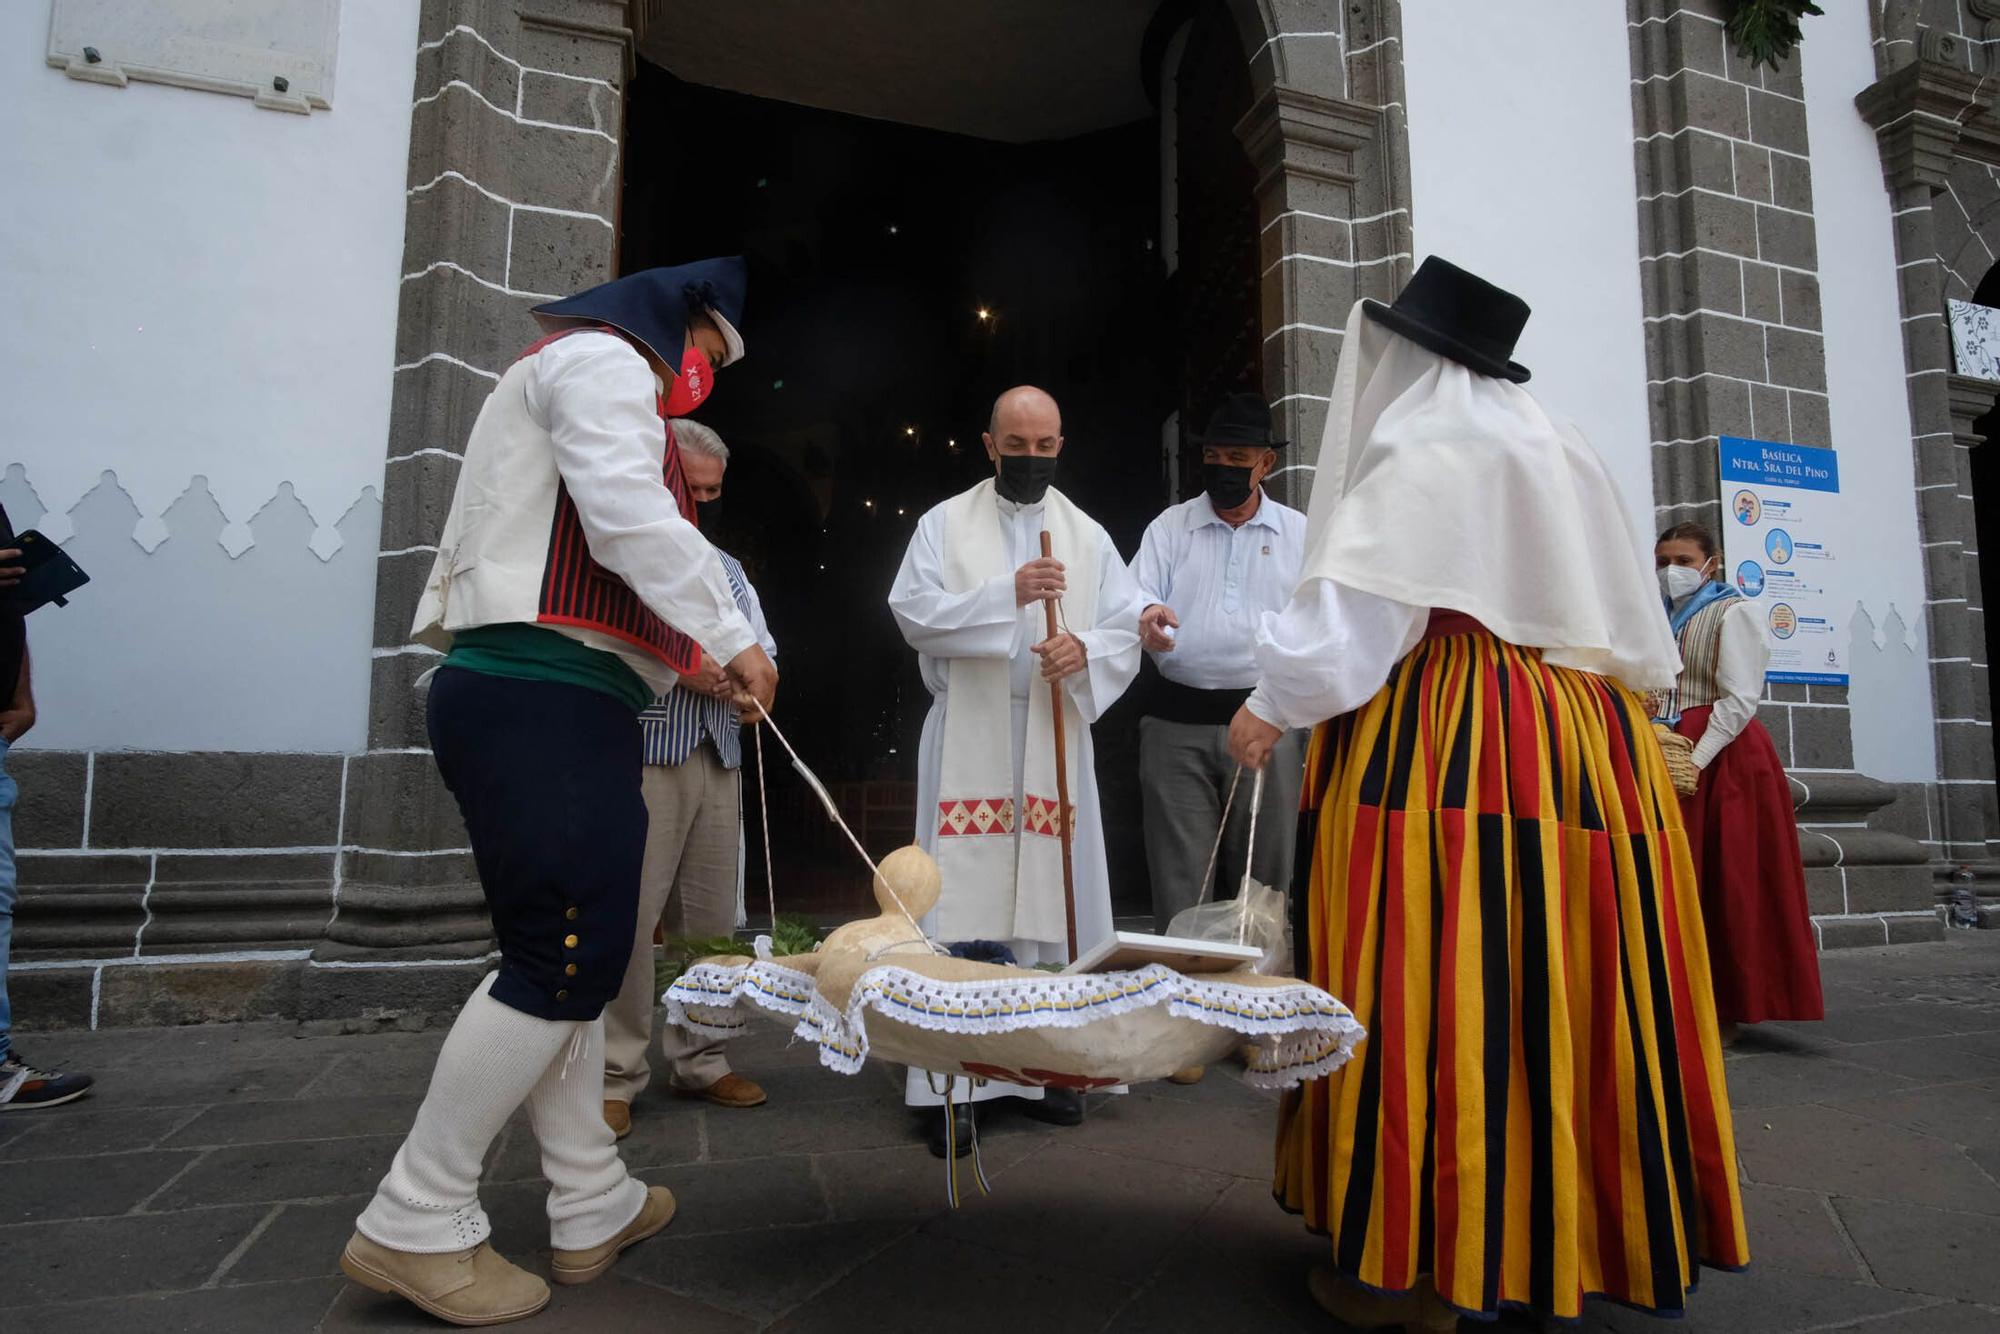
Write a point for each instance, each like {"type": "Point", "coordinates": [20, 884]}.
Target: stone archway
{"type": "Point", "coordinates": [514, 155]}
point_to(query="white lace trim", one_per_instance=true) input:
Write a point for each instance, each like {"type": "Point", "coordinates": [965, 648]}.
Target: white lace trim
{"type": "Point", "coordinates": [1318, 1033]}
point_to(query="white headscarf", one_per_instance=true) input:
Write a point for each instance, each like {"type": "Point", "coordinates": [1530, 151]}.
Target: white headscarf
{"type": "Point", "coordinates": [1440, 487]}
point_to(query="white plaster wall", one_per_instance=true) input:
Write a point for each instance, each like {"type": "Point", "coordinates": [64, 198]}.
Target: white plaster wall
{"type": "Point", "coordinates": [1883, 559]}
{"type": "Point", "coordinates": [1521, 170]}
{"type": "Point", "coordinates": [199, 288]}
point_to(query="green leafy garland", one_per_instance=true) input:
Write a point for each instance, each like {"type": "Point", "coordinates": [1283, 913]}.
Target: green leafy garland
{"type": "Point", "coordinates": [793, 934]}
{"type": "Point", "coordinates": [1765, 31]}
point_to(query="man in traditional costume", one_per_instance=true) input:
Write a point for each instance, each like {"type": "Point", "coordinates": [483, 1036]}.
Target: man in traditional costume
{"type": "Point", "coordinates": [688, 882]}
{"type": "Point", "coordinates": [1740, 825]}
{"type": "Point", "coordinates": [969, 599]}
{"type": "Point", "coordinates": [1208, 569]}
{"type": "Point", "coordinates": [570, 588]}
{"type": "Point", "coordinates": [1499, 887]}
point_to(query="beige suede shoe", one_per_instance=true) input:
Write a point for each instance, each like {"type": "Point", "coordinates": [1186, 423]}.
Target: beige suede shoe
{"type": "Point", "coordinates": [473, 1287]}
{"type": "Point", "coordinates": [572, 1267]}
{"type": "Point", "coordinates": [618, 1115]}
{"type": "Point", "coordinates": [1191, 1075]}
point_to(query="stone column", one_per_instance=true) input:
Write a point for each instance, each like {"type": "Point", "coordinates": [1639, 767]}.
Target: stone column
{"type": "Point", "coordinates": [1920, 112]}
{"type": "Point", "coordinates": [513, 197]}
{"type": "Point", "coordinates": [1333, 199]}
{"type": "Point", "coordinates": [1729, 264]}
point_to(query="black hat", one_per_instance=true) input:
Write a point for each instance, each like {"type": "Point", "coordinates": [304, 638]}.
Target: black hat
{"type": "Point", "coordinates": [655, 305]}
{"type": "Point", "coordinates": [1241, 419]}
{"type": "Point", "coordinates": [1458, 315]}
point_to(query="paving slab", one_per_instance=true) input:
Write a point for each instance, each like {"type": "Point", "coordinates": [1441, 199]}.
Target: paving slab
{"type": "Point", "coordinates": [1097, 1212]}
{"type": "Point", "coordinates": [926, 1283]}
{"type": "Point", "coordinates": [612, 1302]}
{"type": "Point", "coordinates": [761, 1275]}
{"type": "Point", "coordinates": [264, 1309]}
{"type": "Point", "coordinates": [1797, 1230]}
{"type": "Point", "coordinates": [42, 1189]}
{"type": "Point", "coordinates": [212, 1178]}
{"type": "Point", "coordinates": [1823, 1148]}
{"type": "Point", "coordinates": [266, 1173]}
{"type": "Point", "coordinates": [1927, 1250]}
{"type": "Point", "coordinates": [112, 1257]}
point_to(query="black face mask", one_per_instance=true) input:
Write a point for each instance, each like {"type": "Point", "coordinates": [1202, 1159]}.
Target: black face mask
{"type": "Point", "coordinates": [1025, 478]}
{"type": "Point", "coordinates": [708, 512]}
{"type": "Point", "coordinates": [1227, 486]}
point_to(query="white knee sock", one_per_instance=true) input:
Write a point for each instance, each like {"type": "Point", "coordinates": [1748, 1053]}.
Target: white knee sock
{"type": "Point", "coordinates": [591, 1197]}
{"type": "Point", "coordinates": [429, 1201]}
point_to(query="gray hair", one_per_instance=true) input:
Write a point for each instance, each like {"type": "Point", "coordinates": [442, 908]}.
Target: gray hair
{"type": "Point", "coordinates": [692, 435]}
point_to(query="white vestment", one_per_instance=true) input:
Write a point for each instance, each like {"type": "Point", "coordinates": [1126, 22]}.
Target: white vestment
{"type": "Point", "coordinates": [984, 622]}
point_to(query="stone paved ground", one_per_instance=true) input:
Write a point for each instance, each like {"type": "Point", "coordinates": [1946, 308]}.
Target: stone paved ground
{"type": "Point", "coordinates": [210, 1182]}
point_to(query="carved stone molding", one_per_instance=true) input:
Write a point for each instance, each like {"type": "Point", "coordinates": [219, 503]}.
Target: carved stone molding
{"type": "Point", "coordinates": [1924, 115]}
{"type": "Point", "coordinates": [1971, 398]}
{"type": "Point", "coordinates": [1293, 134]}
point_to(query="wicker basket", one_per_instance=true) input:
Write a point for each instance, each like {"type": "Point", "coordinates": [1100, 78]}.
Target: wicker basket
{"type": "Point", "coordinates": [1680, 759]}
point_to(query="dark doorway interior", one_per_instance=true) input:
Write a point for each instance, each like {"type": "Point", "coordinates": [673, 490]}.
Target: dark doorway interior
{"type": "Point", "coordinates": [900, 277]}
{"type": "Point", "coordinates": [1985, 466]}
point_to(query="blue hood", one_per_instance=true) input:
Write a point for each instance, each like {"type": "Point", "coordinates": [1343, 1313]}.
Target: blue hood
{"type": "Point", "coordinates": [655, 305]}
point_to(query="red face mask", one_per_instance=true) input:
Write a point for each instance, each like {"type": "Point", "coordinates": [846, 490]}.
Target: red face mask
{"type": "Point", "coordinates": [693, 385]}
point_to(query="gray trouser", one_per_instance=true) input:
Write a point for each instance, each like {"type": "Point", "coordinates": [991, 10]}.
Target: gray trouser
{"type": "Point", "coordinates": [1184, 773]}
{"type": "Point", "coordinates": [689, 883]}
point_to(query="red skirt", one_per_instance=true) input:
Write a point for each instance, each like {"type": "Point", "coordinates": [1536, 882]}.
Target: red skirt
{"type": "Point", "coordinates": [1745, 841]}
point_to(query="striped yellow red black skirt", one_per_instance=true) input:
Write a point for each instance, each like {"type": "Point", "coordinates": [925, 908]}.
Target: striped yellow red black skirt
{"type": "Point", "coordinates": [1500, 889]}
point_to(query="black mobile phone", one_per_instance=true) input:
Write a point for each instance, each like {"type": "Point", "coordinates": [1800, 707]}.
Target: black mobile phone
{"type": "Point", "coordinates": [49, 575]}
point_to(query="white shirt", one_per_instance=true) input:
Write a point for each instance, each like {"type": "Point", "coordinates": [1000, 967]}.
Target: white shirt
{"type": "Point", "coordinates": [986, 622]}
{"type": "Point", "coordinates": [1329, 651]}
{"type": "Point", "coordinates": [1740, 662]}
{"type": "Point", "coordinates": [1219, 581]}
{"type": "Point", "coordinates": [595, 395]}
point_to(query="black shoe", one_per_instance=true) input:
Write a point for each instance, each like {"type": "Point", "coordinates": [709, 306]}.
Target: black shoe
{"type": "Point", "coordinates": [22, 1086]}
{"type": "Point", "coordinates": [1056, 1107]}
{"type": "Point", "coordinates": [951, 1131]}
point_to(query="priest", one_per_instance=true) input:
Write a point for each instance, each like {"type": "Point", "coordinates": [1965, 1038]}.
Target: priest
{"type": "Point", "coordinates": [969, 599]}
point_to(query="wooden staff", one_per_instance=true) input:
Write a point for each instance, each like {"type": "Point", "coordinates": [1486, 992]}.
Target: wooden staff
{"type": "Point", "coordinates": [1062, 776]}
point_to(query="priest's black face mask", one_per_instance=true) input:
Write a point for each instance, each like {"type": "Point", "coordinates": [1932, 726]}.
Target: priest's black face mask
{"type": "Point", "coordinates": [1024, 478]}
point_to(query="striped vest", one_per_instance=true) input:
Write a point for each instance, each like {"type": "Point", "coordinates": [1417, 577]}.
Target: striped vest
{"type": "Point", "coordinates": [1700, 643]}
{"type": "Point", "coordinates": [577, 591]}
{"type": "Point", "coordinates": [678, 721]}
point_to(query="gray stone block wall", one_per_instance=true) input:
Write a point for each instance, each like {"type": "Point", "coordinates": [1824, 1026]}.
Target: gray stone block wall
{"type": "Point", "coordinates": [1931, 113]}
{"type": "Point", "coordinates": [1730, 281]}
{"type": "Point", "coordinates": [513, 180]}
{"type": "Point", "coordinates": [1328, 137]}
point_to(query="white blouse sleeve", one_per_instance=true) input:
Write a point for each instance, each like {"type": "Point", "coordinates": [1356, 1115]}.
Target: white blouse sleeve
{"type": "Point", "coordinates": [596, 396]}
{"type": "Point", "coordinates": [1739, 674]}
{"type": "Point", "coordinates": [1328, 652]}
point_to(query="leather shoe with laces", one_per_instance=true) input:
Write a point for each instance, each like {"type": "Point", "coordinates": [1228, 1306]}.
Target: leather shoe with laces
{"type": "Point", "coordinates": [571, 1267]}
{"type": "Point", "coordinates": [470, 1287]}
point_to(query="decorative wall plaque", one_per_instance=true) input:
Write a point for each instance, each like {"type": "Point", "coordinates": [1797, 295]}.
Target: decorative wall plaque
{"type": "Point", "coordinates": [1975, 339]}
{"type": "Point", "coordinates": [280, 53]}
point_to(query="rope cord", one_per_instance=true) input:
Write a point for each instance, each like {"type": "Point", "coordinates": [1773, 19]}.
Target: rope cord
{"type": "Point", "coordinates": [1208, 876]}
{"type": "Point", "coordinates": [1249, 856]}
{"type": "Point", "coordinates": [764, 819]}
{"type": "Point", "coordinates": [833, 813]}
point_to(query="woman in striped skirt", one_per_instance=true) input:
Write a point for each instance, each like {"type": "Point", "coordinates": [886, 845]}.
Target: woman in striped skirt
{"type": "Point", "coordinates": [1498, 883]}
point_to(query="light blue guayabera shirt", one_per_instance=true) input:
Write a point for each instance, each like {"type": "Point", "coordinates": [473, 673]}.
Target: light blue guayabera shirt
{"type": "Point", "coordinates": [1219, 581]}
{"type": "Point", "coordinates": [682, 719]}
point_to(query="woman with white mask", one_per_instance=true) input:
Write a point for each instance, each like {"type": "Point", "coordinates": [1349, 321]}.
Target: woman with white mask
{"type": "Point", "coordinates": [1739, 821]}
